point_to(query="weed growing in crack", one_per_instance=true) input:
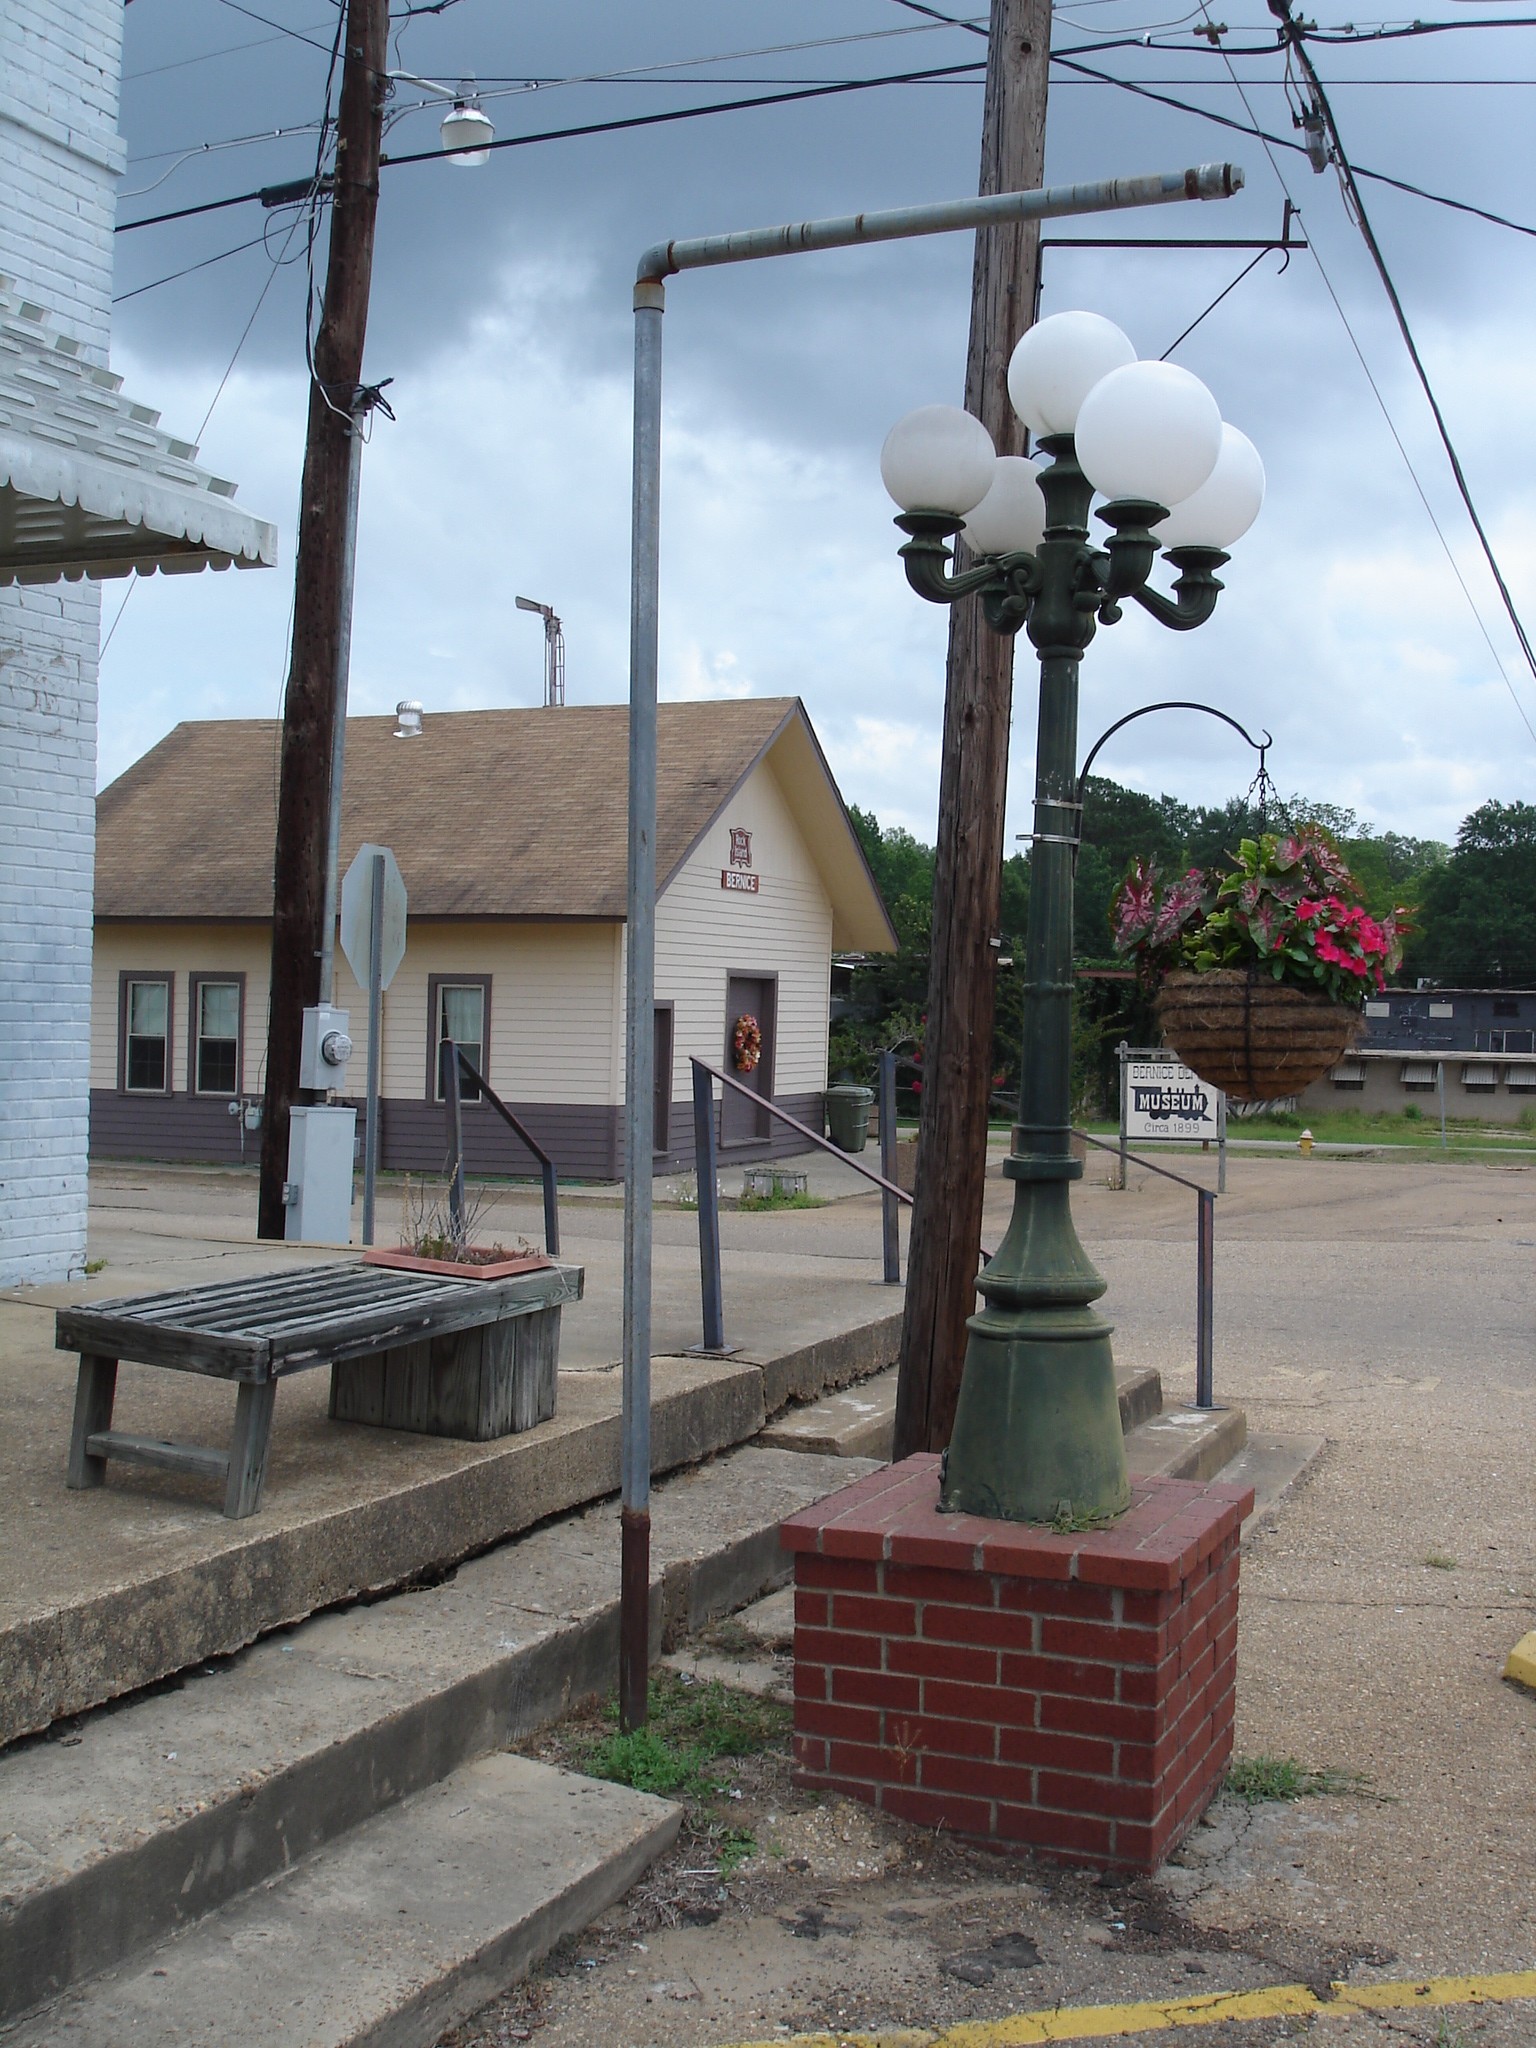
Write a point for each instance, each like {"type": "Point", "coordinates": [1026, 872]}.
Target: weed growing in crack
{"type": "Point", "coordinates": [1255, 1779]}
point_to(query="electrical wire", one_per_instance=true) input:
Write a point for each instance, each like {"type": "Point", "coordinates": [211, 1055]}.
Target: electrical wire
{"type": "Point", "coordinates": [1273, 142]}
{"type": "Point", "coordinates": [1355, 204]}
{"type": "Point", "coordinates": [122, 298]}
{"type": "Point", "coordinates": [1223, 293]}
{"type": "Point", "coordinates": [1377, 394]}
{"type": "Point", "coordinates": [297, 35]}
{"type": "Point", "coordinates": [229, 370]}
{"type": "Point", "coordinates": [778, 99]}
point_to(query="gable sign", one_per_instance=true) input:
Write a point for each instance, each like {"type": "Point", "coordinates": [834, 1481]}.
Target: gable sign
{"type": "Point", "coordinates": [738, 875]}
{"type": "Point", "coordinates": [1163, 1099]}
{"type": "Point", "coordinates": [741, 847]}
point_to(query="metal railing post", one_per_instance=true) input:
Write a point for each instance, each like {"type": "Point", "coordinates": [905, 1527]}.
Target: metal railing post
{"type": "Point", "coordinates": [706, 1172]}
{"type": "Point", "coordinates": [1205, 1312]}
{"type": "Point", "coordinates": [890, 1228]}
{"type": "Point", "coordinates": [453, 1103]}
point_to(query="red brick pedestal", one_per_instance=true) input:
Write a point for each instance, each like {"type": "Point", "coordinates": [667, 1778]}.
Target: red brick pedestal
{"type": "Point", "coordinates": [1066, 1693]}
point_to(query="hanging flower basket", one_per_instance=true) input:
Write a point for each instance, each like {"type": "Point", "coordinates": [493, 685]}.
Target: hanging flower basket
{"type": "Point", "coordinates": [1252, 1036]}
{"type": "Point", "coordinates": [1262, 968]}
{"type": "Point", "coordinates": [746, 1044]}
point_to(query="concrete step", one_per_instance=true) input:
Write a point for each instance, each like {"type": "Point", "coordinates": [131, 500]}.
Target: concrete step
{"type": "Point", "coordinates": [1272, 1465]}
{"type": "Point", "coordinates": [1185, 1443]}
{"type": "Point", "coordinates": [400, 1930]}
{"type": "Point", "coordinates": [860, 1421]}
{"type": "Point", "coordinates": [153, 1813]}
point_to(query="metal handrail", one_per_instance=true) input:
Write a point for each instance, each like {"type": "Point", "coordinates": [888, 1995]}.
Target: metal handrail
{"type": "Point", "coordinates": [1205, 1264]}
{"type": "Point", "coordinates": [706, 1165]}
{"type": "Point", "coordinates": [452, 1069]}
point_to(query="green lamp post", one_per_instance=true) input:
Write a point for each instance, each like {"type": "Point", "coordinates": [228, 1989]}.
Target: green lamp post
{"type": "Point", "coordinates": [1037, 1429]}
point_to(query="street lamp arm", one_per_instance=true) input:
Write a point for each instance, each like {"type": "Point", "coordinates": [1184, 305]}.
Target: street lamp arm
{"type": "Point", "coordinates": [1194, 593]}
{"type": "Point", "coordinates": [927, 557]}
{"type": "Point", "coordinates": [1260, 747]}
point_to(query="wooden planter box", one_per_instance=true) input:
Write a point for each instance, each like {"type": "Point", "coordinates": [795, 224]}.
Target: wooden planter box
{"type": "Point", "coordinates": [1254, 1037]}
{"type": "Point", "coordinates": [490, 1381]}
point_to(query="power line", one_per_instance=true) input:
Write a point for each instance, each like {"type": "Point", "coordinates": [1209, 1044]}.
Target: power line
{"type": "Point", "coordinates": [1377, 394]}
{"type": "Point", "coordinates": [187, 269]}
{"type": "Point", "coordinates": [1356, 204]}
{"type": "Point", "coordinates": [1273, 142]}
{"type": "Point", "coordinates": [282, 28]}
{"type": "Point", "coordinates": [778, 99]}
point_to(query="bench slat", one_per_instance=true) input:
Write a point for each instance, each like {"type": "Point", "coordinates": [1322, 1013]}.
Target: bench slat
{"type": "Point", "coordinates": [189, 1308]}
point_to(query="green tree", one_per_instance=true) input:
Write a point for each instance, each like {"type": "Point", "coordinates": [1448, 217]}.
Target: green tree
{"type": "Point", "coordinates": [1477, 920]}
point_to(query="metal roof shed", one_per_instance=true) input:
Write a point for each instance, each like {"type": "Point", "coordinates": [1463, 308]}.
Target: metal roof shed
{"type": "Point", "coordinates": [89, 484]}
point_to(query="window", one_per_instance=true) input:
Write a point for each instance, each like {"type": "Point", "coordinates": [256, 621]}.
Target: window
{"type": "Point", "coordinates": [1505, 1006]}
{"type": "Point", "coordinates": [216, 1007]}
{"type": "Point", "coordinates": [460, 1011]}
{"type": "Point", "coordinates": [1511, 1041]}
{"type": "Point", "coordinates": [146, 1014]}
{"type": "Point", "coordinates": [1421, 1074]}
{"type": "Point", "coordinates": [1348, 1074]}
{"type": "Point", "coordinates": [1482, 1076]}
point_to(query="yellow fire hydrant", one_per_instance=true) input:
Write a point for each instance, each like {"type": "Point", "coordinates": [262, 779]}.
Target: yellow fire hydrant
{"type": "Point", "coordinates": [1304, 1144]}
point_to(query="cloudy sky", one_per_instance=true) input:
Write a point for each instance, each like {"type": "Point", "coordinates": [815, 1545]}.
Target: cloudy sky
{"type": "Point", "coordinates": [501, 312]}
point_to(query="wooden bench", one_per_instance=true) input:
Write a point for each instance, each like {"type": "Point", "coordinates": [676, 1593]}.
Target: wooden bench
{"type": "Point", "coordinates": [379, 1330]}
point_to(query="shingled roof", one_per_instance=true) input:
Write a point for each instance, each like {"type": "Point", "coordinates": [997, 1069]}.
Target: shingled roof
{"type": "Point", "coordinates": [492, 814]}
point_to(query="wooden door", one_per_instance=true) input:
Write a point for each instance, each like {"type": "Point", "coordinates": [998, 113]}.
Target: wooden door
{"type": "Point", "coordinates": [741, 1122]}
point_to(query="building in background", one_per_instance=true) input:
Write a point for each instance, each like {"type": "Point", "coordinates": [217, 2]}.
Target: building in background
{"type": "Point", "coordinates": [510, 831]}
{"type": "Point", "coordinates": [89, 487]}
{"type": "Point", "coordinates": [1479, 1044]}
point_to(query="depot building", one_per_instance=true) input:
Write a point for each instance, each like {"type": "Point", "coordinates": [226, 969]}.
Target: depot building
{"type": "Point", "coordinates": [510, 832]}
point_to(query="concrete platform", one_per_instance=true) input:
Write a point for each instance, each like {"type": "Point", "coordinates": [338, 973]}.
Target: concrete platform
{"type": "Point", "coordinates": [170, 1806]}
{"type": "Point", "coordinates": [397, 1933]}
{"type": "Point", "coordinates": [114, 1589]}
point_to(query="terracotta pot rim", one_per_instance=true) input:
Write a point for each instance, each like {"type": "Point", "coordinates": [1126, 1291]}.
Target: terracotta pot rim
{"type": "Point", "coordinates": [458, 1269]}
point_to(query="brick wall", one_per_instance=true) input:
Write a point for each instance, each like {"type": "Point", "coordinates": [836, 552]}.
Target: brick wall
{"type": "Point", "coordinates": [1073, 1694]}
{"type": "Point", "coordinates": [59, 158]}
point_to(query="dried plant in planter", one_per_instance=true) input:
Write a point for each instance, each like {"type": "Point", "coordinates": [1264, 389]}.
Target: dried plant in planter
{"type": "Point", "coordinates": [433, 1240]}
{"type": "Point", "coordinates": [1261, 968]}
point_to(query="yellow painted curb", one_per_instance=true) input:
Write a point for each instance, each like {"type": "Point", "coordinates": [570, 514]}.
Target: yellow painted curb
{"type": "Point", "coordinates": [1522, 1661]}
{"type": "Point", "coordinates": [1156, 2016]}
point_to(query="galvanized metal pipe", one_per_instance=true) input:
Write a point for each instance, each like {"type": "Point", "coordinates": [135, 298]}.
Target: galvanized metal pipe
{"type": "Point", "coordinates": [1205, 1305]}
{"type": "Point", "coordinates": [639, 1002]}
{"type": "Point", "coordinates": [375, 1021]}
{"type": "Point", "coordinates": [711, 1292]}
{"type": "Point", "coordinates": [890, 1228]}
{"type": "Point", "coordinates": [666, 259]}
{"type": "Point", "coordinates": [903, 223]}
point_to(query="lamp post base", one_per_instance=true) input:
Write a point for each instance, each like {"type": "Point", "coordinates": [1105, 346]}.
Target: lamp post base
{"type": "Point", "coordinates": [1037, 1434]}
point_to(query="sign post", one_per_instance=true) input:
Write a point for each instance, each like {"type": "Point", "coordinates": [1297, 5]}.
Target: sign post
{"type": "Point", "coordinates": [373, 939]}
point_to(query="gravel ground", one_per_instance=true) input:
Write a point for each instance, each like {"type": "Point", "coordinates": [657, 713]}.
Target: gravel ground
{"type": "Point", "coordinates": [1389, 1308]}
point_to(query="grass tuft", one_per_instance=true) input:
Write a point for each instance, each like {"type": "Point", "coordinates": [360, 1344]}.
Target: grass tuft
{"type": "Point", "coordinates": [1439, 1561]}
{"type": "Point", "coordinates": [781, 1198]}
{"type": "Point", "coordinates": [1257, 1779]}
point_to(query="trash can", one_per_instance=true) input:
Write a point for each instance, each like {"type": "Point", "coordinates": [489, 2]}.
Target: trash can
{"type": "Point", "coordinates": [848, 1110]}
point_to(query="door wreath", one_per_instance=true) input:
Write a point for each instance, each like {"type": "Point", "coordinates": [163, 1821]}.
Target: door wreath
{"type": "Point", "coordinates": [746, 1043]}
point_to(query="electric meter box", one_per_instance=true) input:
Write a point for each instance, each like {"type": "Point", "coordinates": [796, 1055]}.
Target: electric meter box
{"type": "Point", "coordinates": [325, 1048]}
{"type": "Point", "coordinates": [321, 1142]}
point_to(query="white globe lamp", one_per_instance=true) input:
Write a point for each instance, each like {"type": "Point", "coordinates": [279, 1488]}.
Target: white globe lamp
{"type": "Point", "coordinates": [1226, 504]}
{"type": "Point", "coordinates": [1057, 363]}
{"type": "Point", "coordinates": [938, 459]}
{"type": "Point", "coordinates": [1011, 518]}
{"type": "Point", "coordinates": [1150, 431]}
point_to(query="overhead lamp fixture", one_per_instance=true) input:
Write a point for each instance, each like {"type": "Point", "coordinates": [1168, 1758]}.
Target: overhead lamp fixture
{"type": "Point", "coordinates": [467, 133]}
{"type": "Point", "coordinates": [408, 720]}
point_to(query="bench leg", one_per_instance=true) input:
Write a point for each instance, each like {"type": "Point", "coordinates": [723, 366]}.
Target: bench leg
{"type": "Point", "coordinates": [248, 1450]}
{"type": "Point", "coordinates": [95, 1392]}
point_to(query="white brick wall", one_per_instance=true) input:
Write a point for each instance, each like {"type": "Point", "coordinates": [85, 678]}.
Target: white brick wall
{"type": "Point", "coordinates": [60, 62]}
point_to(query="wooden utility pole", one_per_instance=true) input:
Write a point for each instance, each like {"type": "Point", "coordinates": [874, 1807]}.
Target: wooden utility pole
{"type": "Point", "coordinates": [321, 602]}
{"type": "Point", "coordinates": [957, 1041]}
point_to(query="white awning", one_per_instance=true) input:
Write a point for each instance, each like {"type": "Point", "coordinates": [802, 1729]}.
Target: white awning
{"type": "Point", "coordinates": [1520, 1077]}
{"type": "Point", "coordinates": [1420, 1073]}
{"type": "Point", "coordinates": [1479, 1074]}
{"type": "Point", "coordinates": [89, 485]}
